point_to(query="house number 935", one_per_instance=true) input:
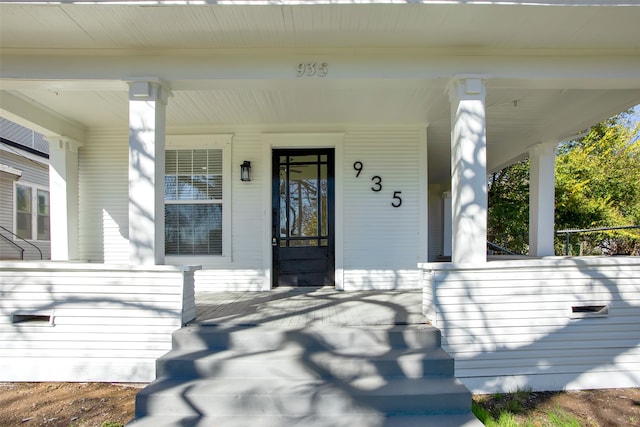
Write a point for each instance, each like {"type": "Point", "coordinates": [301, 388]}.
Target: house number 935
{"type": "Point", "coordinates": [376, 185]}
{"type": "Point", "coordinates": [310, 69]}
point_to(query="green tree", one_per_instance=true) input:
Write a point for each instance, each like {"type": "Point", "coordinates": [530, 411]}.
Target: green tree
{"type": "Point", "coordinates": [597, 185]}
{"type": "Point", "coordinates": [508, 214]}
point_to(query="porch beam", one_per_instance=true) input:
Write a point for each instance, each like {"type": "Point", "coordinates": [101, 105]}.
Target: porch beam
{"type": "Point", "coordinates": [63, 194]}
{"type": "Point", "coordinates": [35, 117]}
{"type": "Point", "coordinates": [214, 69]}
{"type": "Point", "coordinates": [147, 129]}
{"type": "Point", "coordinates": [542, 199]}
{"type": "Point", "coordinates": [468, 170]}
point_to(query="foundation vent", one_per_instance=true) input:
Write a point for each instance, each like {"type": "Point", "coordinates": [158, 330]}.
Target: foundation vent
{"type": "Point", "coordinates": [589, 310]}
{"type": "Point", "coordinates": [32, 319]}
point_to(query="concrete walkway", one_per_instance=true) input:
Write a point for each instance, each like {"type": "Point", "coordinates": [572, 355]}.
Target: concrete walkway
{"type": "Point", "coordinates": [310, 306]}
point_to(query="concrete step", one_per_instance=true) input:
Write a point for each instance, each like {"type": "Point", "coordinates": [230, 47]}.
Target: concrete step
{"type": "Point", "coordinates": [266, 338]}
{"type": "Point", "coordinates": [295, 362]}
{"type": "Point", "coordinates": [356, 420]}
{"type": "Point", "coordinates": [298, 398]}
{"type": "Point", "coordinates": [381, 375]}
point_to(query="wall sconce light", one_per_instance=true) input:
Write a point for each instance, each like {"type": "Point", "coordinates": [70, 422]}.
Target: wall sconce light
{"type": "Point", "coordinates": [245, 171]}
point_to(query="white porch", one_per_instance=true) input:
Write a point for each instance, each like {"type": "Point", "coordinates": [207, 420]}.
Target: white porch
{"type": "Point", "coordinates": [428, 97]}
{"type": "Point", "coordinates": [431, 97]}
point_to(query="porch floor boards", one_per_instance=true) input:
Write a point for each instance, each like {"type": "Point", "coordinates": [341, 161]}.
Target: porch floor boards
{"type": "Point", "coordinates": [310, 306]}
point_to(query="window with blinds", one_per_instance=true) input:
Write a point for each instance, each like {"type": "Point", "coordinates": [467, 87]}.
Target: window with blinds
{"type": "Point", "coordinates": [193, 202]}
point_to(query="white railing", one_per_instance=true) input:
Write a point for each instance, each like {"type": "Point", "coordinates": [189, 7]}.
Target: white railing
{"type": "Point", "coordinates": [89, 322]}
{"type": "Point", "coordinates": [543, 324]}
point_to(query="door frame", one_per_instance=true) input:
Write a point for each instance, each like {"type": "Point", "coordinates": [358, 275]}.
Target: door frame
{"type": "Point", "coordinates": [272, 141]}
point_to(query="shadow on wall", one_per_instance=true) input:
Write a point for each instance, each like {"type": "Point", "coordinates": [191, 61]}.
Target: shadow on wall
{"type": "Point", "coordinates": [84, 322]}
{"type": "Point", "coordinates": [542, 328]}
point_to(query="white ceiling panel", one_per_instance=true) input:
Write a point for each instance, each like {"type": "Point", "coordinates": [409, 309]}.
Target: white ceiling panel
{"type": "Point", "coordinates": [245, 26]}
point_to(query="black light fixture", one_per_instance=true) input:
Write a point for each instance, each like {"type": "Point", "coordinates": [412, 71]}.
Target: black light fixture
{"type": "Point", "coordinates": [245, 171]}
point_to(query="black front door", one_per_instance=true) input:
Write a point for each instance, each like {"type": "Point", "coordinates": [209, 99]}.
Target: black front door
{"type": "Point", "coordinates": [303, 217]}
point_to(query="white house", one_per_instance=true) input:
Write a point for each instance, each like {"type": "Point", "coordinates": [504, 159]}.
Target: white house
{"type": "Point", "coordinates": [369, 128]}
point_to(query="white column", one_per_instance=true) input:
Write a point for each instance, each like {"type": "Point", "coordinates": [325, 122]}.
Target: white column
{"type": "Point", "coordinates": [63, 198]}
{"type": "Point", "coordinates": [446, 224]}
{"type": "Point", "coordinates": [147, 114]}
{"type": "Point", "coordinates": [542, 160]}
{"type": "Point", "coordinates": [468, 171]}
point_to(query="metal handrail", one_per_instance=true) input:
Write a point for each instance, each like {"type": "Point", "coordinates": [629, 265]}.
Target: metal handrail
{"type": "Point", "coordinates": [20, 248]}
{"type": "Point", "coordinates": [569, 231]}
{"type": "Point", "coordinates": [27, 242]}
{"type": "Point", "coordinates": [500, 248]}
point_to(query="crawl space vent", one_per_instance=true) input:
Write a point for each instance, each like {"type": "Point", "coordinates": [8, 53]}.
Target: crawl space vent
{"type": "Point", "coordinates": [590, 310]}
{"type": "Point", "coordinates": [32, 319]}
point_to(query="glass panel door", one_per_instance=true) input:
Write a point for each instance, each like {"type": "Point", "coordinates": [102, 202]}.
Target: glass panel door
{"type": "Point", "coordinates": [303, 217]}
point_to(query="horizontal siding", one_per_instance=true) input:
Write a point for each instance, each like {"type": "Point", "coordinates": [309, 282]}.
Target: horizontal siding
{"type": "Point", "coordinates": [103, 220]}
{"type": "Point", "coordinates": [381, 243]}
{"type": "Point", "coordinates": [229, 279]}
{"type": "Point", "coordinates": [108, 324]}
{"type": "Point", "coordinates": [7, 250]}
{"type": "Point", "coordinates": [370, 279]}
{"type": "Point", "coordinates": [36, 175]}
{"type": "Point", "coordinates": [33, 172]}
{"type": "Point", "coordinates": [512, 326]}
{"type": "Point", "coordinates": [247, 205]}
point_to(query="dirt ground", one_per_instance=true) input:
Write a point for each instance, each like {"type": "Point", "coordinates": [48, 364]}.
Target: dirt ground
{"type": "Point", "coordinates": [98, 404]}
{"type": "Point", "coordinates": [66, 404]}
{"type": "Point", "coordinates": [593, 408]}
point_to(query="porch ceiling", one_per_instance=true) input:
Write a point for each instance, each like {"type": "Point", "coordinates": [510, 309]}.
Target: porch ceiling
{"type": "Point", "coordinates": [520, 113]}
{"type": "Point", "coordinates": [278, 25]}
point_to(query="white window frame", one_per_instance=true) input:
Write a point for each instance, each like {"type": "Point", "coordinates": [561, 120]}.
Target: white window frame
{"type": "Point", "coordinates": [34, 210]}
{"type": "Point", "coordinates": [201, 142]}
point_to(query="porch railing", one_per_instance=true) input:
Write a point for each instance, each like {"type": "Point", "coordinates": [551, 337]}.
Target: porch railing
{"type": "Point", "coordinates": [568, 232]}
{"type": "Point", "coordinates": [500, 249]}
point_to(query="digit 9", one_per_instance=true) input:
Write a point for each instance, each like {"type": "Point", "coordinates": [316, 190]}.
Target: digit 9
{"type": "Point", "coordinates": [357, 166]}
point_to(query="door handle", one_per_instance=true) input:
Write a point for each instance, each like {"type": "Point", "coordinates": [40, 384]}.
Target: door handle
{"type": "Point", "coordinates": [274, 241]}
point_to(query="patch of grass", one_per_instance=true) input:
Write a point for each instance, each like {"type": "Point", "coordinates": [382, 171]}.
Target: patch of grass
{"type": "Point", "coordinates": [505, 419]}
{"type": "Point", "coordinates": [481, 413]}
{"type": "Point", "coordinates": [110, 424]}
{"type": "Point", "coordinates": [560, 418]}
{"type": "Point", "coordinates": [517, 410]}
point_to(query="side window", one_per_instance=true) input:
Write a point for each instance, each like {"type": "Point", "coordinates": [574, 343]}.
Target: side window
{"type": "Point", "coordinates": [193, 202]}
{"type": "Point", "coordinates": [23, 212]}
{"type": "Point", "coordinates": [43, 216]}
{"type": "Point", "coordinates": [32, 213]}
